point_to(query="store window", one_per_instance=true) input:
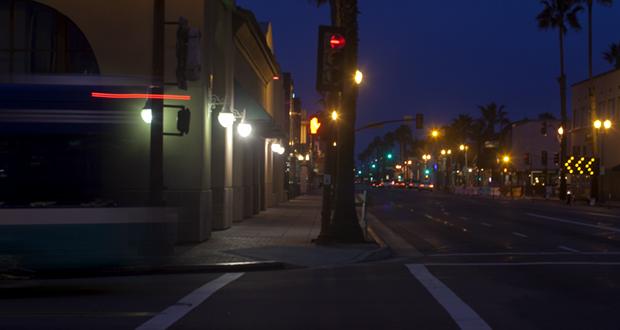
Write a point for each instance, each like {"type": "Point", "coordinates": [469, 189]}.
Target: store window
{"type": "Point", "coordinates": [35, 38]}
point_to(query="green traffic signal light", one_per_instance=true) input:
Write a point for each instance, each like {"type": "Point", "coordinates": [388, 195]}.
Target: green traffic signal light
{"type": "Point", "coordinates": [389, 156]}
{"type": "Point", "coordinates": [373, 165]}
{"type": "Point", "coordinates": [427, 171]}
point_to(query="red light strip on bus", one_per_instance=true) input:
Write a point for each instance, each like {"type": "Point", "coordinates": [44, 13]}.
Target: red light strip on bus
{"type": "Point", "coordinates": [141, 96]}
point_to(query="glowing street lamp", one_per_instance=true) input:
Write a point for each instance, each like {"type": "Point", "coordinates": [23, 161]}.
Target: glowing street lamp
{"type": "Point", "coordinates": [334, 115]}
{"type": "Point", "coordinates": [607, 124]}
{"type": "Point", "coordinates": [597, 124]}
{"type": "Point", "coordinates": [226, 118]}
{"type": "Point", "coordinates": [506, 159]}
{"type": "Point", "coordinates": [244, 129]}
{"type": "Point", "coordinates": [561, 130]}
{"type": "Point", "coordinates": [435, 133]}
{"type": "Point", "coordinates": [146, 115]}
{"type": "Point", "coordinates": [358, 77]}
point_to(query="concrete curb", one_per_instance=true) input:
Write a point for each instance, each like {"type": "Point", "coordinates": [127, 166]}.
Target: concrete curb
{"type": "Point", "coordinates": [146, 270]}
{"type": "Point", "coordinates": [384, 236]}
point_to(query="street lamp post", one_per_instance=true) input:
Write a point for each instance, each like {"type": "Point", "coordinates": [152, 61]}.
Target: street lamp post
{"type": "Point", "coordinates": [506, 162]}
{"type": "Point", "coordinates": [601, 128]}
{"type": "Point", "coordinates": [464, 148]}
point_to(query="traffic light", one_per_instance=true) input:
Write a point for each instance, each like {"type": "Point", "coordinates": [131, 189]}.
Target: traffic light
{"type": "Point", "coordinates": [183, 119]}
{"type": "Point", "coordinates": [543, 158]}
{"type": "Point", "coordinates": [556, 159]}
{"type": "Point", "coordinates": [526, 158]}
{"type": "Point", "coordinates": [315, 124]}
{"type": "Point", "coordinates": [330, 66]}
{"type": "Point", "coordinates": [389, 156]}
{"type": "Point", "coordinates": [427, 171]}
{"type": "Point", "coordinates": [419, 121]}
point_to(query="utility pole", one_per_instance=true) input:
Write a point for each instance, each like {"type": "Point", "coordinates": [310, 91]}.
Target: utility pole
{"type": "Point", "coordinates": [156, 182]}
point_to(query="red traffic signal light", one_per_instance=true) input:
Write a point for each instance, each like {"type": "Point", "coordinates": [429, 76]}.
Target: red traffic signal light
{"type": "Point", "coordinates": [337, 41]}
{"type": "Point", "coordinates": [330, 59]}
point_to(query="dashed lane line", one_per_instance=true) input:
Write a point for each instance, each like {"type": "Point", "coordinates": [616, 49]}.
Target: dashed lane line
{"type": "Point", "coordinates": [566, 248]}
{"type": "Point", "coordinates": [519, 234]}
{"type": "Point", "coordinates": [613, 229]}
{"type": "Point", "coordinates": [172, 314]}
{"type": "Point", "coordinates": [490, 254]}
{"type": "Point", "coordinates": [529, 263]}
{"type": "Point", "coordinates": [464, 316]}
{"type": "Point", "coordinates": [486, 224]}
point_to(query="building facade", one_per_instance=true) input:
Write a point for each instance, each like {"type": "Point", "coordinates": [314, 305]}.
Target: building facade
{"type": "Point", "coordinates": [216, 58]}
{"type": "Point", "coordinates": [534, 150]}
{"type": "Point", "coordinates": [603, 143]}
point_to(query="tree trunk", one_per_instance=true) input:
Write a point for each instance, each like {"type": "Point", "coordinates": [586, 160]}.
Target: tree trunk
{"type": "Point", "coordinates": [346, 227]}
{"type": "Point", "coordinates": [562, 82]}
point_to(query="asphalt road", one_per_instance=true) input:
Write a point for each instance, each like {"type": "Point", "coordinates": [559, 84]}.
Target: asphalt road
{"type": "Point", "coordinates": [484, 264]}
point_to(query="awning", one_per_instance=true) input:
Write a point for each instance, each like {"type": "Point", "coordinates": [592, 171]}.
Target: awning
{"type": "Point", "coordinates": [256, 114]}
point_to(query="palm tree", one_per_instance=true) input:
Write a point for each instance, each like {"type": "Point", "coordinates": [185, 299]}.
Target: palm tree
{"type": "Point", "coordinates": [560, 15]}
{"type": "Point", "coordinates": [405, 138]}
{"type": "Point", "coordinates": [590, 5]}
{"type": "Point", "coordinates": [612, 55]}
{"type": "Point", "coordinates": [345, 227]}
{"type": "Point", "coordinates": [493, 116]}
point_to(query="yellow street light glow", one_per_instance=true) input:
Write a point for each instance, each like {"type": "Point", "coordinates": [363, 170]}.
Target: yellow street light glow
{"type": "Point", "coordinates": [597, 124]}
{"type": "Point", "coordinates": [398, 167]}
{"type": "Point", "coordinates": [449, 151]}
{"type": "Point", "coordinates": [434, 133]}
{"type": "Point", "coordinates": [506, 159]}
{"type": "Point", "coordinates": [463, 147]}
{"type": "Point", "coordinates": [358, 77]}
{"type": "Point", "coordinates": [607, 124]}
{"type": "Point", "coordinates": [561, 130]}
{"type": "Point", "coordinates": [443, 151]}
{"type": "Point", "coordinates": [334, 115]}
{"type": "Point", "coordinates": [334, 144]}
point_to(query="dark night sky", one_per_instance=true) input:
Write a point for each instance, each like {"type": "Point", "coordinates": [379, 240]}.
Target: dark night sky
{"type": "Point", "coordinates": [441, 58]}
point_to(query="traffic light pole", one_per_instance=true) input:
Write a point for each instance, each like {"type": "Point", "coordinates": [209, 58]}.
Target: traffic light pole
{"type": "Point", "coordinates": [156, 177]}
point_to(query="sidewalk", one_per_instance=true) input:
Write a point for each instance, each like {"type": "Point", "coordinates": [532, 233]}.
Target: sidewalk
{"type": "Point", "coordinates": [282, 234]}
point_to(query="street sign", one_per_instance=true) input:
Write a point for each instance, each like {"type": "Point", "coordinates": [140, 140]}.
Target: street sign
{"type": "Point", "coordinates": [327, 179]}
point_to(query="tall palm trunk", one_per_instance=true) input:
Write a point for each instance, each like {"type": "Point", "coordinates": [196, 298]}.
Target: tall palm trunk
{"type": "Point", "coordinates": [345, 222]}
{"type": "Point", "coordinates": [563, 144]}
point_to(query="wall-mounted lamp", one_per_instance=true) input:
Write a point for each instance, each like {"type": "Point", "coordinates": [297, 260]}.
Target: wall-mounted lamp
{"type": "Point", "coordinates": [277, 148]}
{"type": "Point", "coordinates": [227, 118]}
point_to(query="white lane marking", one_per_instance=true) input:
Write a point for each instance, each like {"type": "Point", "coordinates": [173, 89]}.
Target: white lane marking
{"type": "Point", "coordinates": [172, 314]}
{"type": "Point", "coordinates": [464, 218]}
{"type": "Point", "coordinates": [464, 316]}
{"type": "Point", "coordinates": [428, 216]}
{"type": "Point", "coordinates": [566, 248]}
{"type": "Point", "coordinates": [535, 263]}
{"type": "Point", "coordinates": [603, 215]}
{"type": "Point", "coordinates": [519, 234]}
{"type": "Point", "coordinates": [486, 224]}
{"type": "Point", "coordinates": [446, 213]}
{"type": "Point", "coordinates": [487, 254]}
{"type": "Point", "coordinates": [616, 230]}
